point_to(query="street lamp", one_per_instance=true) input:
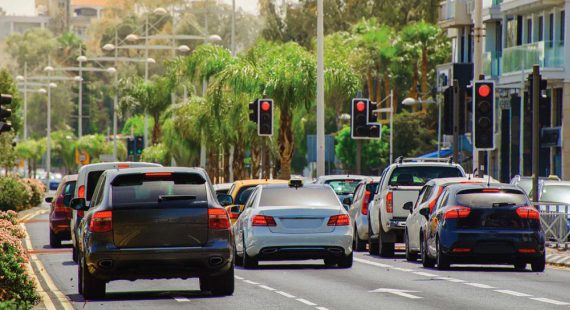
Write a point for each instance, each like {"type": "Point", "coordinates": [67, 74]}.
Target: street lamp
{"type": "Point", "coordinates": [411, 101]}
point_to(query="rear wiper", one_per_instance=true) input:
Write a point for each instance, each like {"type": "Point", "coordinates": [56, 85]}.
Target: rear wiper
{"type": "Point", "coordinates": [504, 204]}
{"type": "Point", "coordinates": [175, 197]}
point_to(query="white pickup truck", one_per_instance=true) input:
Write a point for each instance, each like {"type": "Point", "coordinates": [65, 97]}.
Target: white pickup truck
{"type": "Point", "coordinates": [401, 182]}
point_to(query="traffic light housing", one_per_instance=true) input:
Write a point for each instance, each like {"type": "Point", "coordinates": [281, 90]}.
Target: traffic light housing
{"type": "Point", "coordinates": [265, 117]}
{"type": "Point", "coordinates": [484, 115]}
{"type": "Point", "coordinates": [139, 146]}
{"type": "Point", "coordinates": [447, 117]}
{"type": "Point", "coordinates": [5, 113]}
{"type": "Point", "coordinates": [131, 146]}
{"type": "Point", "coordinates": [361, 128]}
{"type": "Point", "coordinates": [253, 115]}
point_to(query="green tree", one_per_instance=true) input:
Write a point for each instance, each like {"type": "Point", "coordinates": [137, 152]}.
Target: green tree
{"type": "Point", "coordinates": [412, 135]}
{"type": "Point", "coordinates": [374, 152]}
{"type": "Point", "coordinates": [157, 153]}
{"type": "Point", "coordinates": [31, 47]}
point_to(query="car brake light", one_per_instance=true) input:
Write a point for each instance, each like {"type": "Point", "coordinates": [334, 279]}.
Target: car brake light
{"type": "Point", "coordinates": [456, 212]}
{"type": "Point", "coordinates": [339, 220]}
{"type": "Point", "coordinates": [120, 166]}
{"type": "Point", "coordinates": [101, 221]}
{"type": "Point", "coordinates": [234, 216]}
{"type": "Point", "coordinates": [527, 250]}
{"type": "Point", "coordinates": [528, 213]}
{"type": "Point", "coordinates": [158, 174]}
{"type": "Point", "coordinates": [81, 191]}
{"type": "Point", "coordinates": [461, 250]}
{"type": "Point", "coordinates": [218, 219]}
{"type": "Point", "coordinates": [263, 220]}
{"type": "Point", "coordinates": [491, 190]}
{"type": "Point", "coordinates": [390, 202]}
{"type": "Point", "coordinates": [432, 203]}
{"type": "Point", "coordinates": [364, 209]}
{"type": "Point", "coordinates": [60, 210]}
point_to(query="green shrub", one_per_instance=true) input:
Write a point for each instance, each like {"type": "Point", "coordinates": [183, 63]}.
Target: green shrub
{"type": "Point", "coordinates": [16, 285]}
{"type": "Point", "coordinates": [14, 195]}
{"type": "Point", "coordinates": [37, 191]}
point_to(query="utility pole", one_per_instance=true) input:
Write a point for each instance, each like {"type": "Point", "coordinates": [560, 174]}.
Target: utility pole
{"type": "Point", "coordinates": [455, 121]}
{"type": "Point", "coordinates": [320, 91]}
{"type": "Point", "coordinates": [477, 55]}
{"type": "Point", "coordinates": [535, 129]}
{"type": "Point", "coordinates": [116, 99]}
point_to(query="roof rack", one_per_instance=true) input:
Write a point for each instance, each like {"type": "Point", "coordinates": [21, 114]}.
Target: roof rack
{"type": "Point", "coordinates": [401, 160]}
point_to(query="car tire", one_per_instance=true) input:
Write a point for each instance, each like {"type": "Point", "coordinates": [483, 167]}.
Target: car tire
{"type": "Point", "coordinates": [54, 240]}
{"type": "Point", "coordinates": [520, 266]}
{"type": "Point", "coordinates": [74, 254]}
{"type": "Point", "coordinates": [346, 261]}
{"type": "Point", "coordinates": [358, 244]}
{"type": "Point", "coordinates": [238, 259]}
{"type": "Point", "coordinates": [222, 285]}
{"type": "Point", "coordinates": [385, 249]}
{"type": "Point", "coordinates": [372, 243]}
{"type": "Point", "coordinates": [93, 288]}
{"type": "Point", "coordinates": [204, 284]}
{"type": "Point", "coordinates": [539, 264]}
{"type": "Point", "coordinates": [248, 261]}
{"type": "Point", "coordinates": [442, 260]}
{"type": "Point", "coordinates": [330, 262]}
{"type": "Point", "coordinates": [410, 256]}
{"type": "Point", "coordinates": [427, 262]}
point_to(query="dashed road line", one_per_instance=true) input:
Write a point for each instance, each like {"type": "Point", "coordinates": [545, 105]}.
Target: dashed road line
{"type": "Point", "coordinates": [364, 261]}
{"type": "Point", "coordinates": [238, 277]}
{"type": "Point", "coordinates": [285, 294]}
{"type": "Point", "coordinates": [513, 293]}
{"type": "Point", "coordinates": [321, 308]}
{"type": "Point", "coordinates": [269, 288]}
{"type": "Point", "coordinates": [266, 287]}
{"type": "Point", "coordinates": [425, 274]}
{"type": "Point", "coordinates": [251, 282]}
{"type": "Point", "coordinates": [306, 302]}
{"type": "Point", "coordinates": [403, 269]}
{"type": "Point", "coordinates": [551, 301]}
{"type": "Point", "coordinates": [181, 299]}
{"type": "Point", "coordinates": [450, 279]}
{"type": "Point", "coordinates": [479, 285]}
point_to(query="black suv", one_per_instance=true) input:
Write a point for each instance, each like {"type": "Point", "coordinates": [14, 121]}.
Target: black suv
{"type": "Point", "coordinates": [154, 223]}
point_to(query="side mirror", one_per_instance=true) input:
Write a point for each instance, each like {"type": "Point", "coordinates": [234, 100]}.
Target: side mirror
{"type": "Point", "coordinates": [48, 199]}
{"type": "Point", "coordinates": [235, 209]}
{"type": "Point", "coordinates": [78, 204]}
{"type": "Point", "coordinates": [225, 200]}
{"type": "Point", "coordinates": [346, 207]}
{"type": "Point", "coordinates": [347, 201]}
{"type": "Point", "coordinates": [67, 200]}
{"type": "Point", "coordinates": [409, 206]}
{"type": "Point", "coordinates": [425, 212]}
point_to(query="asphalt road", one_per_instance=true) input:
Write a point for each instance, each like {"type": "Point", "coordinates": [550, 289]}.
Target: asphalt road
{"type": "Point", "coordinates": [372, 283]}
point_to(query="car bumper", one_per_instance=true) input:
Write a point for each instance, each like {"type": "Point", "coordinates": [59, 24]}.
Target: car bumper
{"type": "Point", "coordinates": [264, 244]}
{"type": "Point", "coordinates": [110, 263]}
{"type": "Point", "coordinates": [60, 226]}
{"type": "Point", "coordinates": [493, 247]}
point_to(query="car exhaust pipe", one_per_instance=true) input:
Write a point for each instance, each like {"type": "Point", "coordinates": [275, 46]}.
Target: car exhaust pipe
{"type": "Point", "coordinates": [215, 260]}
{"type": "Point", "coordinates": [105, 263]}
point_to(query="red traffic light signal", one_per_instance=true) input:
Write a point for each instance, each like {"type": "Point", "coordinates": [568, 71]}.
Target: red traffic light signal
{"type": "Point", "coordinates": [484, 90]}
{"type": "Point", "coordinates": [265, 118]}
{"type": "Point", "coordinates": [265, 106]}
{"type": "Point", "coordinates": [360, 106]}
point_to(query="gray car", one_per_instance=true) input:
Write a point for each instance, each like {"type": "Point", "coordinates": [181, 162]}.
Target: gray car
{"type": "Point", "coordinates": [342, 184]}
{"type": "Point", "coordinates": [358, 211]}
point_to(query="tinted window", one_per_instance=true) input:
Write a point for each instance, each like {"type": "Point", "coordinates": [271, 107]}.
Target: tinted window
{"type": "Point", "coordinates": [525, 184]}
{"type": "Point", "coordinates": [243, 194]}
{"type": "Point", "coordinates": [69, 188]}
{"type": "Point", "coordinates": [343, 187]}
{"type": "Point", "coordinates": [301, 197]}
{"type": "Point", "coordinates": [371, 187]}
{"type": "Point", "coordinates": [419, 175]}
{"type": "Point", "coordinates": [131, 189]}
{"type": "Point", "coordinates": [92, 179]}
{"type": "Point", "coordinates": [555, 193]}
{"type": "Point", "coordinates": [480, 199]}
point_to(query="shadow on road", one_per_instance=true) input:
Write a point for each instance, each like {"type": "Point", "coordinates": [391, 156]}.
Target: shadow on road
{"type": "Point", "coordinates": [143, 295]}
{"type": "Point", "coordinates": [281, 266]}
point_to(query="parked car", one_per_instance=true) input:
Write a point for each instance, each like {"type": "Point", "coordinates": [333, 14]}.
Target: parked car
{"type": "Point", "coordinates": [60, 212]}
{"type": "Point", "coordinates": [358, 211]}
{"type": "Point", "coordinates": [525, 182]}
{"type": "Point", "coordinates": [343, 185]}
{"type": "Point", "coordinates": [401, 182]}
{"type": "Point", "coordinates": [242, 189]}
{"type": "Point", "coordinates": [477, 223]}
{"type": "Point", "coordinates": [555, 193]}
{"type": "Point", "coordinates": [426, 200]}
{"type": "Point", "coordinates": [293, 221]}
{"type": "Point", "coordinates": [153, 223]}
{"type": "Point", "coordinates": [87, 179]}
{"type": "Point", "coordinates": [222, 188]}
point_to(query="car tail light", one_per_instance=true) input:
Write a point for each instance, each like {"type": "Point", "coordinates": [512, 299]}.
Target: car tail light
{"type": "Point", "coordinates": [390, 202]}
{"type": "Point", "coordinates": [461, 250]}
{"type": "Point", "coordinates": [101, 221]}
{"type": "Point", "coordinates": [527, 251]}
{"type": "Point", "coordinates": [528, 213]}
{"type": "Point", "coordinates": [121, 166]}
{"type": "Point", "coordinates": [158, 174]}
{"type": "Point", "coordinates": [263, 220]}
{"type": "Point", "coordinates": [81, 191]}
{"type": "Point", "coordinates": [60, 210]}
{"type": "Point", "coordinates": [491, 190]}
{"type": "Point", "coordinates": [234, 216]}
{"type": "Point", "coordinates": [364, 209]}
{"type": "Point", "coordinates": [456, 212]}
{"type": "Point", "coordinates": [339, 220]}
{"type": "Point", "coordinates": [218, 219]}
{"type": "Point", "coordinates": [432, 203]}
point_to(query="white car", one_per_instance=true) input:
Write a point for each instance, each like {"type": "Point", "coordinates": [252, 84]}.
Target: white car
{"type": "Point", "coordinates": [293, 221]}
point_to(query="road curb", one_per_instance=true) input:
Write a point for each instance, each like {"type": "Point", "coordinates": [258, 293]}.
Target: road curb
{"type": "Point", "coordinates": [557, 257]}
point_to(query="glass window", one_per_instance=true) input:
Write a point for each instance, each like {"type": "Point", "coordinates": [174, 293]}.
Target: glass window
{"type": "Point", "coordinates": [344, 186]}
{"type": "Point", "coordinates": [562, 27]}
{"type": "Point", "coordinates": [550, 29]}
{"type": "Point", "coordinates": [371, 187]}
{"type": "Point", "coordinates": [98, 192]}
{"type": "Point", "coordinates": [419, 175]}
{"type": "Point", "coordinates": [244, 194]}
{"type": "Point", "coordinates": [427, 193]}
{"type": "Point", "coordinates": [299, 197]}
{"type": "Point", "coordinates": [541, 28]}
{"type": "Point", "coordinates": [529, 30]}
{"type": "Point", "coordinates": [480, 199]}
{"type": "Point", "coordinates": [555, 194]}
{"type": "Point", "coordinates": [92, 179]}
{"type": "Point", "coordinates": [69, 188]}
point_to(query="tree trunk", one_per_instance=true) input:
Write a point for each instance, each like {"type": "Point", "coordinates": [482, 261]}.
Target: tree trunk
{"type": "Point", "coordinates": [286, 143]}
{"type": "Point", "coordinates": [414, 89]}
{"type": "Point", "coordinates": [211, 164]}
{"type": "Point", "coordinates": [239, 155]}
{"type": "Point", "coordinates": [424, 79]}
{"type": "Point", "coordinates": [255, 159]}
{"type": "Point", "coordinates": [156, 129]}
{"type": "Point", "coordinates": [226, 168]}
{"type": "Point", "coordinates": [370, 82]}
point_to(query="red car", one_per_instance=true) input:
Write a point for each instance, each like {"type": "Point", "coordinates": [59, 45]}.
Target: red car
{"type": "Point", "coordinates": [60, 212]}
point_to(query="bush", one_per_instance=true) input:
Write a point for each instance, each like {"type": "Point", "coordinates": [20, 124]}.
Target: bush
{"type": "Point", "coordinates": [38, 190]}
{"type": "Point", "coordinates": [14, 195]}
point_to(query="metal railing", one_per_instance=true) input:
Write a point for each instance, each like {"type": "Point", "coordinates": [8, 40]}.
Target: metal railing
{"type": "Point", "coordinates": [555, 220]}
{"type": "Point", "coordinates": [523, 57]}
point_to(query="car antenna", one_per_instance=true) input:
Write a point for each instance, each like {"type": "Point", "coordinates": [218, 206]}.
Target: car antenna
{"type": "Point", "coordinates": [472, 174]}
{"type": "Point", "coordinates": [489, 180]}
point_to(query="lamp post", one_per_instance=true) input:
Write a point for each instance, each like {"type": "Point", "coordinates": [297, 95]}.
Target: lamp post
{"type": "Point", "coordinates": [411, 101]}
{"type": "Point", "coordinates": [391, 111]}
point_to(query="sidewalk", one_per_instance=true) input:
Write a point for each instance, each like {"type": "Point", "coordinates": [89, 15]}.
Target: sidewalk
{"type": "Point", "coordinates": [558, 257]}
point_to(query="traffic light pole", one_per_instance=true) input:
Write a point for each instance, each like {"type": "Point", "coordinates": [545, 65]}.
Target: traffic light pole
{"type": "Point", "coordinates": [535, 129]}
{"type": "Point", "coordinates": [455, 121]}
{"type": "Point", "coordinates": [320, 91]}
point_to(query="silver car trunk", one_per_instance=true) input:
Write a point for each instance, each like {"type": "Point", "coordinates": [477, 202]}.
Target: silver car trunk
{"type": "Point", "coordinates": [301, 220]}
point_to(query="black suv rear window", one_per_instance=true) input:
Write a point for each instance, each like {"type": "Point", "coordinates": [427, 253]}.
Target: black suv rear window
{"type": "Point", "coordinates": [141, 188]}
{"type": "Point", "coordinates": [419, 175]}
{"type": "Point", "coordinates": [92, 179]}
{"type": "Point", "coordinates": [482, 198]}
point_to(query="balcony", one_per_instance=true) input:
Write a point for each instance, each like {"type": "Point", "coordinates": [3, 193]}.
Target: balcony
{"type": "Point", "coordinates": [454, 13]}
{"type": "Point", "coordinates": [492, 64]}
{"type": "Point", "coordinates": [523, 57]}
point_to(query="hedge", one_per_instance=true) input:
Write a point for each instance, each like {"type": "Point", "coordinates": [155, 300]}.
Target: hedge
{"type": "Point", "coordinates": [19, 194]}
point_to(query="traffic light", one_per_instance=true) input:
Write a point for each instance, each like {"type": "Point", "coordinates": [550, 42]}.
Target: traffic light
{"type": "Point", "coordinates": [360, 127]}
{"type": "Point", "coordinates": [265, 117]}
{"type": "Point", "coordinates": [5, 113]}
{"type": "Point", "coordinates": [484, 115]}
{"type": "Point", "coordinates": [372, 116]}
{"type": "Point", "coordinates": [131, 146]}
{"type": "Point", "coordinates": [447, 117]}
{"type": "Point", "coordinates": [139, 145]}
{"type": "Point", "coordinates": [253, 115]}
{"type": "Point", "coordinates": [542, 84]}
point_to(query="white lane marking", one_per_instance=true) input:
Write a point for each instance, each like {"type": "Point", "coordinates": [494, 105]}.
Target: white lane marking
{"type": "Point", "coordinates": [285, 294]}
{"type": "Point", "coordinates": [238, 277]}
{"type": "Point", "coordinates": [322, 308]}
{"type": "Point", "coordinates": [513, 293]}
{"type": "Point", "coordinates": [402, 293]}
{"type": "Point", "coordinates": [450, 279]}
{"type": "Point", "coordinates": [425, 274]}
{"type": "Point", "coordinates": [250, 282]}
{"type": "Point", "coordinates": [364, 261]}
{"type": "Point", "coordinates": [403, 269]}
{"type": "Point", "coordinates": [306, 302]}
{"type": "Point", "coordinates": [479, 285]}
{"type": "Point", "coordinates": [181, 299]}
{"type": "Point", "coordinates": [266, 287]}
{"type": "Point", "coordinates": [551, 301]}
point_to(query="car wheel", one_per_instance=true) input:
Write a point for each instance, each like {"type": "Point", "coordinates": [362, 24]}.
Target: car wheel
{"type": "Point", "coordinates": [372, 243]}
{"type": "Point", "coordinates": [539, 265]}
{"type": "Point", "coordinates": [222, 285]}
{"type": "Point", "coordinates": [54, 240]}
{"type": "Point", "coordinates": [248, 261]}
{"type": "Point", "coordinates": [385, 249]}
{"type": "Point", "coordinates": [410, 256]}
{"type": "Point", "coordinates": [345, 261]}
{"type": "Point", "coordinates": [427, 262]}
{"type": "Point", "coordinates": [204, 284]}
{"type": "Point", "coordinates": [520, 266]}
{"type": "Point", "coordinates": [358, 244]}
{"type": "Point", "coordinates": [93, 288]}
{"type": "Point", "coordinates": [443, 261]}
{"type": "Point", "coordinates": [238, 259]}
{"type": "Point", "coordinates": [74, 254]}
{"type": "Point", "coordinates": [330, 262]}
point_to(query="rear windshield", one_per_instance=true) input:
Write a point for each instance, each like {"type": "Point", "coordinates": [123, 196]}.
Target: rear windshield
{"type": "Point", "coordinates": [300, 197]}
{"type": "Point", "coordinates": [69, 188]}
{"type": "Point", "coordinates": [344, 186]}
{"type": "Point", "coordinates": [419, 175]}
{"type": "Point", "coordinates": [480, 199]}
{"type": "Point", "coordinates": [243, 194]}
{"type": "Point", "coordinates": [92, 179]}
{"type": "Point", "coordinates": [371, 188]}
{"type": "Point", "coordinates": [132, 189]}
{"type": "Point", "coordinates": [555, 193]}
